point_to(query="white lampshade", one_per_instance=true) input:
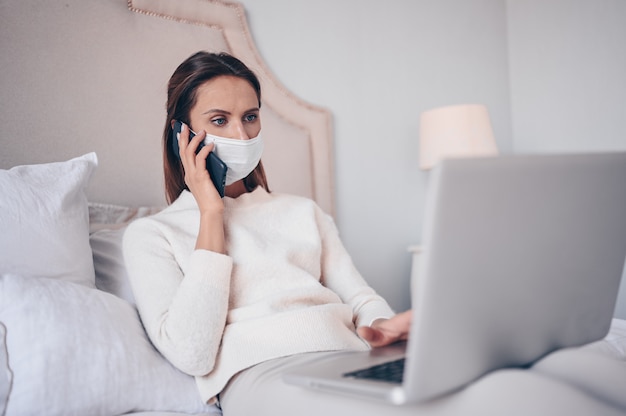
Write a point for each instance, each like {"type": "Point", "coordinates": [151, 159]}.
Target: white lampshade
{"type": "Point", "coordinates": [455, 131]}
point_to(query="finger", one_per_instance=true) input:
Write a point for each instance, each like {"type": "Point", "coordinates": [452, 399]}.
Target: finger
{"type": "Point", "coordinates": [186, 149]}
{"type": "Point", "coordinates": [210, 145]}
{"type": "Point", "coordinates": [201, 157]}
{"type": "Point", "coordinates": [367, 333]}
{"type": "Point", "coordinates": [373, 337]}
{"type": "Point", "coordinates": [387, 331]}
{"type": "Point", "coordinates": [192, 146]}
{"type": "Point", "coordinates": [403, 319]}
{"type": "Point", "coordinates": [399, 323]}
{"type": "Point", "coordinates": [183, 139]}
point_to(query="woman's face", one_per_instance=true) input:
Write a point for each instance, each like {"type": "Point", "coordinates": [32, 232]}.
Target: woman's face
{"type": "Point", "coordinates": [226, 106]}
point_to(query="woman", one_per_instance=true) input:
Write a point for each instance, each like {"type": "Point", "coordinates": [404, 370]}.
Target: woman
{"type": "Point", "coordinates": [224, 284]}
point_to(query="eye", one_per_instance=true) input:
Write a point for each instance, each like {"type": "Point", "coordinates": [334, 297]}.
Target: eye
{"type": "Point", "coordinates": [251, 118]}
{"type": "Point", "coordinates": [220, 121]}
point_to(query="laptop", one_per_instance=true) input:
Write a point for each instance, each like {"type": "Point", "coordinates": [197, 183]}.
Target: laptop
{"type": "Point", "coordinates": [523, 255]}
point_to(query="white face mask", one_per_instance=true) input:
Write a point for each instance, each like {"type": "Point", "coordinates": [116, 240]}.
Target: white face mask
{"type": "Point", "coordinates": [241, 156]}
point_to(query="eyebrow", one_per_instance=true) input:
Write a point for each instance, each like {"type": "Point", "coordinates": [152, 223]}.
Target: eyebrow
{"type": "Point", "coordinates": [217, 110]}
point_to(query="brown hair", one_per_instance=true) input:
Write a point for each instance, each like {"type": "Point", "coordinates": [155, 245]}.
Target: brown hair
{"type": "Point", "coordinates": [181, 97]}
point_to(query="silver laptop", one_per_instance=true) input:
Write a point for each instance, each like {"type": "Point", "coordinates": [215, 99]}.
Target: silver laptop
{"type": "Point", "coordinates": [523, 255]}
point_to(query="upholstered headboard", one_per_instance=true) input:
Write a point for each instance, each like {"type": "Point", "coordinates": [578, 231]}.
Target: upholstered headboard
{"type": "Point", "coordinates": [91, 75]}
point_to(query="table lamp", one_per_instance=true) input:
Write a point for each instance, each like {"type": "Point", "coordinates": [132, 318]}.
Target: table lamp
{"type": "Point", "coordinates": [455, 131]}
{"type": "Point", "coordinates": [448, 132]}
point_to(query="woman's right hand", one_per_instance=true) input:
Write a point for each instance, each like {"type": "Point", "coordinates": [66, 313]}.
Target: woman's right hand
{"type": "Point", "coordinates": [387, 331]}
{"type": "Point", "coordinates": [198, 180]}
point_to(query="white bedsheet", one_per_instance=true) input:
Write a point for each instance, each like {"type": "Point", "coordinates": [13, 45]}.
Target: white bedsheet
{"type": "Point", "coordinates": [589, 380]}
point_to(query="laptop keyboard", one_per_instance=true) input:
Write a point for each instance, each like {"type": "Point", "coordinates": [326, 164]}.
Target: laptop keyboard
{"type": "Point", "coordinates": [391, 372]}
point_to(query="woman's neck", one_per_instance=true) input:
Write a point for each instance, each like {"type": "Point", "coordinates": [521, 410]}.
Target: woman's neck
{"type": "Point", "coordinates": [235, 189]}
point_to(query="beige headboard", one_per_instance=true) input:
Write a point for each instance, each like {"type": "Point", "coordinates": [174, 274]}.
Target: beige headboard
{"type": "Point", "coordinates": [91, 75]}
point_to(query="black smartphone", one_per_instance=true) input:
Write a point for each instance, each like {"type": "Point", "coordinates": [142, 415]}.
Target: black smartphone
{"type": "Point", "coordinates": [216, 167]}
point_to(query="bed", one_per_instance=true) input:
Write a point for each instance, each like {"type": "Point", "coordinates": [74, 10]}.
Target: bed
{"type": "Point", "coordinates": [83, 88]}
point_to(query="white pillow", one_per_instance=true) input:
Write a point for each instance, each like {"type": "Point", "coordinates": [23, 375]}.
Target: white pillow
{"type": "Point", "coordinates": [44, 220]}
{"type": "Point", "coordinates": [108, 261]}
{"type": "Point", "coordinates": [111, 216]}
{"type": "Point", "coordinates": [107, 224]}
{"type": "Point", "coordinates": [614, 344]}
{"type": "Point", "coordinates": [76, 350]}
{"type": "Point", "coordinates": [6, 377]}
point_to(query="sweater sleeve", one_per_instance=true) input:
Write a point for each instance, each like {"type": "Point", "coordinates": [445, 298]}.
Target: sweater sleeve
{"type": "Point", "coordinates": [341, 276]}
{"type": "Point", "coordinates": [184, 314]}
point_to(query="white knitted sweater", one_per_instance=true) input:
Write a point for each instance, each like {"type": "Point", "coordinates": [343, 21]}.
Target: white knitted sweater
{"type": "Point", "coordinates": [287, 286]}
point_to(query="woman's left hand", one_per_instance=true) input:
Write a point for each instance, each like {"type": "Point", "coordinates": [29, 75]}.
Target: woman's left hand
{"type": "Point", "coordinates": [387, 331]}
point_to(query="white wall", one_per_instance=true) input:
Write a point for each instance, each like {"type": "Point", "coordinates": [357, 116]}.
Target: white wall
{"type": "Point", "coordinates": [568, 74]}
{"type": "Point", "coordinates": [551, 72]}
{"type": "Point", "coordinates": [376, 66]}
{"type": "Point", "coordinates": [568, 78]}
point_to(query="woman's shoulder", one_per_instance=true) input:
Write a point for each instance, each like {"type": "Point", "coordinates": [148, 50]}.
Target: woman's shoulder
{"type": "Point", "coordinates": [302, 204]}
{"type": "Point", "coordinates": [260, 196]}
{"type": "Point", "coordinates": [292, 198]}
{"type": "Point", "coordinates": [289, 200]}
{"type": "Point", "coordinates": [172, 215]}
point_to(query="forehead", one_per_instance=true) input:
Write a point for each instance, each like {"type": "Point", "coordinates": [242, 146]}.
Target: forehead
{"type": "Point", "coordinates": [226, 93]}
